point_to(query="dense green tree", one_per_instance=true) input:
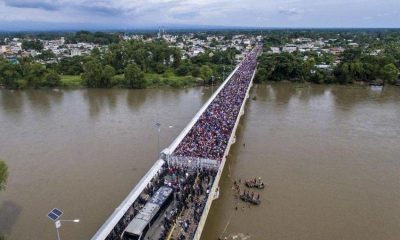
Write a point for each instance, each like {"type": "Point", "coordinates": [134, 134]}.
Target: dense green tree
{"type": "Point", "coordinates": [92, 73]}
{"type": "Point", "coordinates": [71, 66]}
{"type": "Point", "coordinates": [261, 75]}
{"type": "Point", "coordinates": [3, 175]}
{"type": "Point", "coordinates": [102, 38]}
{"type": "Point", "coordinates": [196, 71]}
{"type": "Point", "coordinates": [183, 70]}
{"type": "Point", "coordinates": [134, 77]}
{"type": "Point", "coordinates": [206, 72]}
{"type": "Point", "coordinates": [35, 76]}
{"type": "Point", "coordinates": [32, 45]}
{"type": "Point", "coordinates": [52, 79]}
{"type": "Point", "coordinates": [177, 56]}
{"type": "Point", "coordinates": [390, 73]}
{"type": "Point", "coordinates": [106, 76]}
{"type": "Point", "coordinates": [343, 74]}
{"type": "Point", "coordinates": [46, 55]}
{"type": "Point", "coordinates": [320, 76]}
{"type": "Point", "coordinates": [8, 74]}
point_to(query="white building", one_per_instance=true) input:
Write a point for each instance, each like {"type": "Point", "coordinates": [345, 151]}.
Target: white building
{"type": "Point", "coordinates": [289, 48]}
{"type": "Point", "coordinates": [75, 52]}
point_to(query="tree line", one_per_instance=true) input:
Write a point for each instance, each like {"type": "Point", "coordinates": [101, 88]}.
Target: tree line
{"type": "Point", "coordinates": [121, 64]}
{"type": "Point", "coordinates": [355, 65]}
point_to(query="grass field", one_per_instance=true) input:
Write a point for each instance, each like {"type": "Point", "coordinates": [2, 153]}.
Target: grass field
{"type": "Point", "coordinates": [152, 80]}
{"type": "Point", "coordinates": [71, 81]}
{"type": "Point", "coordinates": [168, 79]}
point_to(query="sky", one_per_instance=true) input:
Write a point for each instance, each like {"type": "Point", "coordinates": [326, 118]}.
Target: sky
{"type": "Point", "coordinates": [134, 14]}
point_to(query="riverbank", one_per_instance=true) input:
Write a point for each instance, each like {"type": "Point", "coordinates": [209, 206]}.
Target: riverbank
{"type": "Point", "coordinates": [168, 79]}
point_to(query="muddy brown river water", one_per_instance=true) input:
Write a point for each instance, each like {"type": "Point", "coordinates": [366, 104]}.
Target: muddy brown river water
{"type": "Point", "coordinates": [330, 156]}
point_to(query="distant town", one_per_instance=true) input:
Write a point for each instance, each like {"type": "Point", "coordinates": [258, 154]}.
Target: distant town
{"type": "Point", "coordinates": [187, 58]}
{"type": "Point", "coordinates": [189, 43]}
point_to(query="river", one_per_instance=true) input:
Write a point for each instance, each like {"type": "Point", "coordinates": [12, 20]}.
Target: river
{"type": "Point", "coordinates": [329, 156]}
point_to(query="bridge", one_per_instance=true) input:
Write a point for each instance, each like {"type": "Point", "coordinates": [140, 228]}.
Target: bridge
{"type": "Point", "coordinates": [191, 167]}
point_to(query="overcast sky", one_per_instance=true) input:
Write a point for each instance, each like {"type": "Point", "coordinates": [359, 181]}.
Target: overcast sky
{"type": "Point", "coordinates": [52, 14]}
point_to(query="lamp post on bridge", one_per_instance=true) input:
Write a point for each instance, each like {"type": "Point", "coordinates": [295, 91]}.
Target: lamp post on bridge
{"type": "Point", "coordinates": [158, 126]}
{"type": "Point", "coordinates": [223, 74]}
{"type": "Point", "coordinates": [212, 84]}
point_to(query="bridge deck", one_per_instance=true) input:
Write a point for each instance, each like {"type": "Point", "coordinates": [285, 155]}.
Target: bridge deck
{"type": "Point", "coordinates": [116, 223]}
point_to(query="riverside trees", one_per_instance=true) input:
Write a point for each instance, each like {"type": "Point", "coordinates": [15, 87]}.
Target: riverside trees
{"type": "Point", "coordinates": [3, 175]}
{"type": "Point", "coordinates": [104, 68]}
{"type": "Point", "coordinates": [355, 65]}
{"type": "Point", "coordinates": [27, 74]}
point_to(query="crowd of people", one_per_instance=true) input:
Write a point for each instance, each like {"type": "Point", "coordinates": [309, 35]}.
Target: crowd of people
{"type": "Point", "coordinates": [134, 209]}
{"type": "Point", "coordinates": [207, 139]}
{"type": "Point", "coordinates": [191, 189]}
{"type": "Point", "coordinates": [209, 136]}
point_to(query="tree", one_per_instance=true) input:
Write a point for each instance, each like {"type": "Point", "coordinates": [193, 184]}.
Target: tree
{"type": "Point", "coordinates": [206, 72]}
{"type": "Point", "coordinates": [343, 74]}
{"type": "Point", "coordinates": [196, 71]}
{"type": "Point", "coordinates": [46, 55]}
{"type": "Point", "coordinates": [390, 73]}
{"type": "Point", "coordinates": [134, 77]}
{"type": "Point", "coordinates": [71, 66]}
{"type": "Point", "coordinates": [34, 45]}
{"type": "Point", "coordinates": [3, 175]}
{"type": "Point", "coordinates": [177, 58]}
{"type": "Point", "coordinates": [52, 79]}
{"type": "Point", "coordinates": [92, 73]}
{"type": "Point", "coordinates": [8, 74]}
{"type": "Point", "coordinates": [35, 75]}
{"type": "Point", "coordinates": [106, 76]}
{"type": "Point", "coordinates": [183, 70]}
{"type": "Point", "coordinates": [261, 75]}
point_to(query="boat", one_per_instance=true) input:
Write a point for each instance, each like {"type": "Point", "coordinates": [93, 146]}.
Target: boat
{"type": "Point", "coordinates": [254, 184]}
{"type": "Point", "coordinates": [249, 199]}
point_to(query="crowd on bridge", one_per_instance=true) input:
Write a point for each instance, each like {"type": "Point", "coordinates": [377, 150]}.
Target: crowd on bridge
{"type": "Point", "coordinates": [191, 190]}
{"type": "Point", "coordinates": [207, 139]}
{"type": "Point", "coordinates": [209, 136]}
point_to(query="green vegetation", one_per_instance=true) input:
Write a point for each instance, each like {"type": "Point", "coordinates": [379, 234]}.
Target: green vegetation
{"type": "Point", "coordinates": [101, 38]}
{"type": "Point", "coordinates": [365, 55]}
{"type": "Point", "coordinates": [27, 74]}
{"type": "Point", "coordinates": [134, 77]}
{"type": "Point", "coordinates": [71, 81]}
{"type": "Point", "coordinates": [371, 57]}
{"type": "Point", "coordinates": [3, 181]}
{"type": "Point", "coordinates": [3, 175]}
{"type": "Point", "coordinates": [167, 79]}
{"type": "Point", "coordinates": [156, 61]}
{"type": "Point", "coordinates": [32, 45]}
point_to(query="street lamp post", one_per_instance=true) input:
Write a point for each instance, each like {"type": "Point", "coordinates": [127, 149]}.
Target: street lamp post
{"type": "Point", "coordinates": [55, 215]}
{"type": "Point", "coordinates": [223, 74]}
{"type": "Point", "coordinates": [58, 225]}
{"type": "Point", "coordinates": [212, 84]}
{"type": "Point", "coordinates": [158, 126]}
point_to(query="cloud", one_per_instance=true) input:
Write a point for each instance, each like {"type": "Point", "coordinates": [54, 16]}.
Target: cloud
{"type": "Point", "coordinates": [41, 4]}
{"type": "Point", "coordinates": [288, 11]}
{"type": "Point", "coordinates": [185, 16]}
{"type": "Point", "coordinates": [261, 13]}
